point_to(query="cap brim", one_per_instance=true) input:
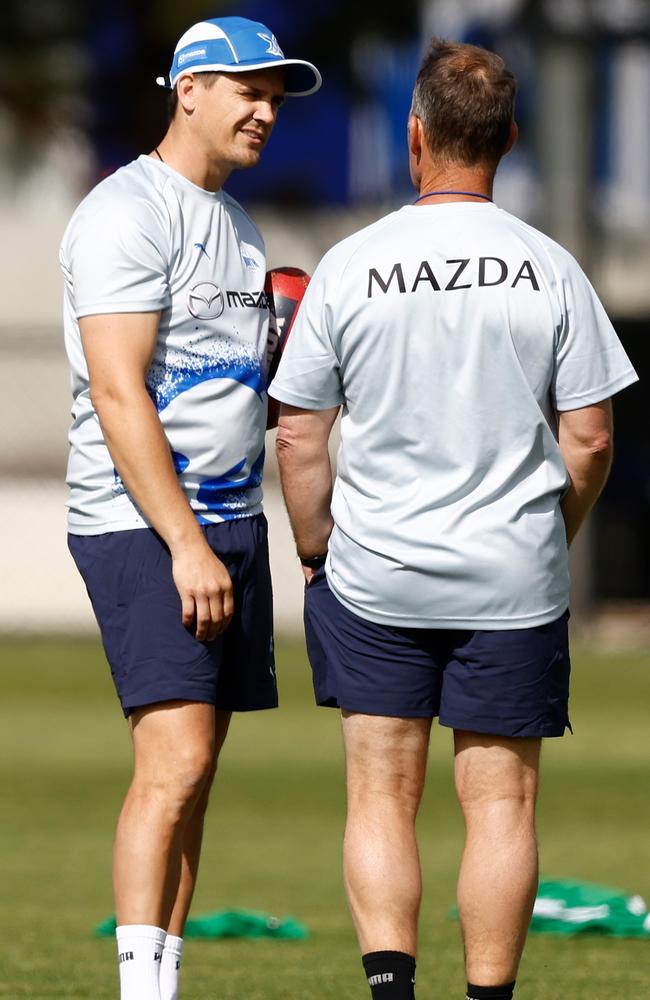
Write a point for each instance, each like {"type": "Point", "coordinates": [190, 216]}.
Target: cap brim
{"type": "Point", "coordinates": [302, 78]}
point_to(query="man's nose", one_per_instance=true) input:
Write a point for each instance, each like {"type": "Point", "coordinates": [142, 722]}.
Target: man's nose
{"type": "Point", "coordinates": [265, 112]}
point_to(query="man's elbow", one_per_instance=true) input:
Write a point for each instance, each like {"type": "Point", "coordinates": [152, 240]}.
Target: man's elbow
{"type": "Point", "coordinates": [108, 397]}
{"type": "Point", "coordinates": [585, 443]}
{"type": "Point", "coordinates": [296, 449]}
{"type": "Point", "coordinates": [595, 457]}
{"type": "Point", "coordinates": [601, 446]}
{"type": "Point", "coordinates": [101, 396]}
{"type": "Point", "coordinates": [287, 445]}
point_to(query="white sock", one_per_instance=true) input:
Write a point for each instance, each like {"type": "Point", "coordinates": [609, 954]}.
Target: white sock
{"type": "Point", "coordinates": [170, 968]}
{"type": "Point", "coordinates": [140, 950]}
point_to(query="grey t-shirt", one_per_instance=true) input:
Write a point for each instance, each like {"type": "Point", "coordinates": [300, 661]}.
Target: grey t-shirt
{"type": "Point", "coordinates": [147, 239]}
{"type": "Point", "coordinates": [450, 334]}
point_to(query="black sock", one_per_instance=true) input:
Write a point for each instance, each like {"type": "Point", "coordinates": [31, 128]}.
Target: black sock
{"type": "Point", "coordinates": [391, 975]}
{"type": "Point", "coordinates": [504, 992]}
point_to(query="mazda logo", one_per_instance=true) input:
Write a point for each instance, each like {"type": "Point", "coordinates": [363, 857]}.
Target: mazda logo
{"type": "Point", "coordinates": [205, 301]}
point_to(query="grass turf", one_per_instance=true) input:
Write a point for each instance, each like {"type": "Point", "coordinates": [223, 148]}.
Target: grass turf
{"type": "Point", "coordinates": [274, 833]}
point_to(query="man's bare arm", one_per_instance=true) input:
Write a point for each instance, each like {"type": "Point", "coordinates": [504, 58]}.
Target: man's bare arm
{"type": "Point", "coordinates": [585, 438]}
{"type": "Point", "coordinates": [306, 476]}
{"type": "Point", "coordinates": [118, 350]}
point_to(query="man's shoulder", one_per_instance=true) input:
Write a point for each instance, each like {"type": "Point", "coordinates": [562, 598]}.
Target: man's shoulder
{"type": "Point", "coordinates": [248, 229]}
{"type": "Point", "coordinates": [126, 198]}
{"type": "Point", "coordinates": [554, 250]}
{"type": "Point", "coordinates": [343, 252]}
{"type": "Point", "coordinates": [127, 182]}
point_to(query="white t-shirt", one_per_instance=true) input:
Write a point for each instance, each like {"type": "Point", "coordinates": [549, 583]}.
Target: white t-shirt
{"type": "Point", "coordinates": [147, 239]}
{"type": "Point", "coordinates": [450, 334]}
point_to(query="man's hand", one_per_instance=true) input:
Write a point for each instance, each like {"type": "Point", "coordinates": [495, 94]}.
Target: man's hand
{"type": "Point", "coordinates": [205, 589]}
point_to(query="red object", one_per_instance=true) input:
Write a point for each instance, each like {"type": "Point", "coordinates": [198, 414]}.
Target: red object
{"type": "Point", "coordinates": [285, 287]}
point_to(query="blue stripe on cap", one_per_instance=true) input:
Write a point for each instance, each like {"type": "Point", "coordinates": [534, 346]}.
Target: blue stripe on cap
{"type": "Point", "coordinates": [215, 51]}
{"type": "Point", "coordinates": [252, 40]}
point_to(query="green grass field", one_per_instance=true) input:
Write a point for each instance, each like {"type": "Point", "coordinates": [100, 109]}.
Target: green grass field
{"type": "Point", "coordinates": [274, 832]}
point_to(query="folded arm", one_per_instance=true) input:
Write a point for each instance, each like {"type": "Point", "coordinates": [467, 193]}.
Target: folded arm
{"type": "Point", "coordinates": [118, 350]}
{"type": "Point", "coordinates": [585, 439]}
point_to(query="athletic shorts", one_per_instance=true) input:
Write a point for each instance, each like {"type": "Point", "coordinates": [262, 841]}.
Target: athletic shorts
{"type": "Point", "coordinates": [504, 683]}
{"type": "Point", "coordinates": [152, 656]}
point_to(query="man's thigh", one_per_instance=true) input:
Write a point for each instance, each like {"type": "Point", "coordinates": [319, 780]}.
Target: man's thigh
{"type": "Point", "coordinates": [153, 657]}
{"type": "Point", "coordinates": [365, 667]}
{"type": "Point", "coordinates": [511, 683]}
{"type": "Point", "coordinates": [385, 756]}
{"type": "Point", "coordinates": [246, 680]}
{"type": "Point", "coordinates": [181, 732]}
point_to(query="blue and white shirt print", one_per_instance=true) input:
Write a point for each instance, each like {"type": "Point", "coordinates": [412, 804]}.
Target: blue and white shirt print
{"type": "Point", "coordinates": [147, 239]}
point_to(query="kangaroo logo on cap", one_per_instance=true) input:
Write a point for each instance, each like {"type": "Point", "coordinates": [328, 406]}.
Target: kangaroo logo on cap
{"type": "Point", "coordinates": [273, 49]}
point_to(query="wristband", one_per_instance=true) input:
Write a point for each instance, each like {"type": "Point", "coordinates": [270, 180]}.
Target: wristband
{"type": "Point", "coordinates": [313, 562]}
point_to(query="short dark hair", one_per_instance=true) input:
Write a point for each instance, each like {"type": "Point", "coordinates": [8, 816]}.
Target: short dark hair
{"type": "Point", "coordinates": [207, 79]}
{"type": "Point", "coordinates": [465, 97]}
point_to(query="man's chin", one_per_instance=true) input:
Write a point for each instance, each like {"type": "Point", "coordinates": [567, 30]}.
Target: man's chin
{"type": "Point", "coordinates": [247, 158]}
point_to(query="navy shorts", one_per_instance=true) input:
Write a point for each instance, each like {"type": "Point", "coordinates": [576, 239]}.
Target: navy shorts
{"type": "Point", "coordinates": [152, 656]}
{"type": "Point", "coordinates": [503, 683]}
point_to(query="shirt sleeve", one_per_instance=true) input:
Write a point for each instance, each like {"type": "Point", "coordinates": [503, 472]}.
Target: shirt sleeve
{"type": "Point", "coordinates": [308, 375]}
{"type": "Point", "coordinates": [590, 362]}
{"type": "Point", "coordinates": [117, 259]}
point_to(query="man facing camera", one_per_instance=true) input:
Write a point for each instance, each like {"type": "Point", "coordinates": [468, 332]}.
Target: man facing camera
{"type": "Point", "coordinates": [166, 324]}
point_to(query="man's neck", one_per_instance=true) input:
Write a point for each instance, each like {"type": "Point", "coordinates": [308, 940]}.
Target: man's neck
{"type": "Point", "coordinates": [182, 155]}
{"type": "Point", "coordinates": [454, 183]}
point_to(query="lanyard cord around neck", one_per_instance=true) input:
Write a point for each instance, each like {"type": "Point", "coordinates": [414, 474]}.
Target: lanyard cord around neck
{"type": "Point", "coordinates": [470, 194]}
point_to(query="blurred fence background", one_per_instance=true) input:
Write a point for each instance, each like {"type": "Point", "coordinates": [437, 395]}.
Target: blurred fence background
{"type": "Point", "coordinates": [78, 99]}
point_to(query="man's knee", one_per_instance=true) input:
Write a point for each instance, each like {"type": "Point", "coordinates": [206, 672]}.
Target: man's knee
{"type": "Point", "coordinates": [392, 790]}
{"type": "Point", "coordinates": [179, 782]}
{"type": "Point", "coordinates": [498, 775]}
{"type": "Point", "coordinates": [192, 771]}
{"type": "Point", "coordinates": [175, 746]}
{"type": "Point", "coordinates": [201, 803]}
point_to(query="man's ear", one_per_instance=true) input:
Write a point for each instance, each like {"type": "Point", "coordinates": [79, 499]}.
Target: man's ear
{"type": "Point", "coordinates": [186, 89]}
{"type": "Point", "coordinates": [512, 138]}
{"type": "Point", "coordinates": [414, 134]}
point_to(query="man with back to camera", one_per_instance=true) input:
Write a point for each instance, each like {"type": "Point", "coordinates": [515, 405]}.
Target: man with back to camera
{"type": "Point", "coordinates": [166, 328]}
{"type": "Point", "coordinates": [475, 365]}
